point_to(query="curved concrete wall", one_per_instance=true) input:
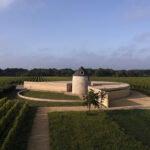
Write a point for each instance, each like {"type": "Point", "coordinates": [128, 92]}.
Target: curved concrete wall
{"type": "Point", "coordinates": [80, 85]}
{"type": "Point", "coordinates": [123, 90]}
{"type": "Point", "coordinates": [119, 94]}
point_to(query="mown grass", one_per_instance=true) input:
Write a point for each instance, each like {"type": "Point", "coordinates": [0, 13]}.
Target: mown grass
{"type": "Point", "coordinates": [135, 122]}
{"type": "Point", "coordinates": [50, 95]}
{"type": "Point", "coordinates": [50, 104]}
{"type": "Point", "coordinates": [90, 131]}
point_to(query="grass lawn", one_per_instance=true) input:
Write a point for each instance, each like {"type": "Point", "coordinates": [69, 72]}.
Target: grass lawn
{"type": "Point", "coordinates": [135, 122]}
{"type": "Point", "coordinates": [50, 95]}
{"type": "Point", "coordinates": [50, 104]}
{"type": "Point", "coordinates": [93, 131]}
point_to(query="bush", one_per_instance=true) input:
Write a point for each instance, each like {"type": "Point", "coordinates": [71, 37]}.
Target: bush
{"type": "Point", "coordinates": [12, 132]}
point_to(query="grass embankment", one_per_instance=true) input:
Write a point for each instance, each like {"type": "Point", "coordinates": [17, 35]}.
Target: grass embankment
{"type": "Point", "coordinates": [50, 104]}
{"type": "Point", "coordinates": [98, 130]}
{"type": "Point", "coordinates": [50, 95]}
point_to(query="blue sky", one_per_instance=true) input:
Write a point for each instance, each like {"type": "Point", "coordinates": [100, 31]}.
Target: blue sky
{"type": "Point", "coordinates": [70, 33]}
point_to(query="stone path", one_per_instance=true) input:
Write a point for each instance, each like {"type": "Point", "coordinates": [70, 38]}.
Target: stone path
{"type": "Point", "coordinates": [39, 139]}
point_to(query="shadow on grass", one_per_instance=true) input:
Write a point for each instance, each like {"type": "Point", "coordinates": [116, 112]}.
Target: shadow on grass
{"type": "Point", "coordinates": [91, 113]}
{"type": "Point", "coordinates": [12, 94]}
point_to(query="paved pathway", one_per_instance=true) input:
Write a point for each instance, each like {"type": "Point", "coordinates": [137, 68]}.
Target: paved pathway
{"type": "Point", "coordinates": [39, 139]}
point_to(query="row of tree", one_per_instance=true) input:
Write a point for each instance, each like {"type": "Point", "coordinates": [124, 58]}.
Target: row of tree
{"type": "Point", "coordinates": [69, 72]}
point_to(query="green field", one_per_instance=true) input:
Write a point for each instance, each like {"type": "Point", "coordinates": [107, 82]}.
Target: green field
{"type": "Point", "coordinates": [134, 122]}
{"type": "Point", "coordinates": [50, 95]}
{"type": "Point", "coordinates": [20, 141]}
{"type": "Point", "coordinates": [99, 130]}
{"type": "Point", "coordinates": [12, 115]}
{"type": "Point", "coordinates": [141, 84]}
{"type": "Point", "coordinates": [138, 83]}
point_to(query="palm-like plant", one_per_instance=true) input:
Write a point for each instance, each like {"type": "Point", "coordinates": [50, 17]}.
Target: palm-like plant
{"type": "Point", "coordinates": [92, 98]}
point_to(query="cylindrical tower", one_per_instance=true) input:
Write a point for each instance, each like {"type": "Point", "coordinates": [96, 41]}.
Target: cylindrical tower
{"type": "Point", "coordinates": [80, 82]}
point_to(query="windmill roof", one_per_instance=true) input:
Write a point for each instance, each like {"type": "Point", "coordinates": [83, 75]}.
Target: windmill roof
{"type": "Point", "coordinates": [81, 72]}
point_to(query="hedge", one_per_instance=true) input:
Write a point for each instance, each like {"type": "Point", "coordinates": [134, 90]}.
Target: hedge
{"type": "Point", "coordinates": [2, 101]}
{"type": "Point", "coordinates": [8, 117]}
{"type": "Point", "coordinates": [8, 143]}
{"type": "Point", "coordinates": [6, 106]}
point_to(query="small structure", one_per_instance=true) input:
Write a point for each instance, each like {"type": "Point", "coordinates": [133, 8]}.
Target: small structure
{"type": "Point", "coordinates": [80, 82]}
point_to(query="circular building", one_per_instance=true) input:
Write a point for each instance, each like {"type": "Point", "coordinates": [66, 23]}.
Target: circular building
{"type": "Point", "coordinates": [80, 82]}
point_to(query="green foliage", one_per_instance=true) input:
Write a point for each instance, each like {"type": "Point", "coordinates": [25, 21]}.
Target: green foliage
{"type": "Point", "coordinates": [92, 98]}
{"type": "Point", "coordinates": [50, 104]}
{"type": "Point", "coordinates": [7, 84]}
{"type": "Point", "coordinates": [69, 72]}
{"type": "Point", "coordinates": [134, 122]}
{"type": "Point", "coordinates": [2, 101]}
{"type": "Point", "coordinates": [89, 131]}
{"type": "Point", "coordinates": [8, 143]}
{"type": "Point", "coordinates": [3, 109]}
{"type": "Point", "coordinates": [50, 95]}
{"type": "Point", "coordinates": [137, 83]}
{"type": "Point", "coordinates": [5, 120]}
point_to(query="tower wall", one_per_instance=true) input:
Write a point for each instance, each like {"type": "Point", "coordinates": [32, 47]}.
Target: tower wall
{"type": "Point", "coordinates": [80, 85]}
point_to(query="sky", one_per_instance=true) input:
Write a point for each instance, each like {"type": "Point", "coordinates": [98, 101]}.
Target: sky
{"type": "Point", "coordinates": [72, 33]}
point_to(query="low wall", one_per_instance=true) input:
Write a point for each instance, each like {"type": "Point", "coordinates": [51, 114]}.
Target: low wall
{"type": "Point", "coordinates": [110, 96]}
{"type": "Point", "coordinates": [48, 86]}
{"type": "Point", "coordinates": [119, 94]}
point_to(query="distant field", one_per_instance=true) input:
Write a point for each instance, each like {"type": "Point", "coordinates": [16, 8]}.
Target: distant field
{"type": "Point", "coordinates": [50, 95]}
{"type": "Point", "coordinates": [100, 130]}
{"type": "Point", "coordinates": [141, 84]}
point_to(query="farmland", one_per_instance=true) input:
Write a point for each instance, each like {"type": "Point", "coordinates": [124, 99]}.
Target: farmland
{"type": "Point", "coordinates": [97, 130]}
{"type": "Point", "coordinates": [141, 84]}
{"type": "Point", "coordinates": [12, 114]}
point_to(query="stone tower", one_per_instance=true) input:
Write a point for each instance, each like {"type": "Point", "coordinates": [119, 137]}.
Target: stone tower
{"type": "Point", "coordinates": [80, 82]}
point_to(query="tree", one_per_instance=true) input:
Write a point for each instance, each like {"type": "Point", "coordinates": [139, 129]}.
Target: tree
{"type": "Point", "coordinates": [102, 97]}
{"type": "Point", "coordinates": [92, 98]}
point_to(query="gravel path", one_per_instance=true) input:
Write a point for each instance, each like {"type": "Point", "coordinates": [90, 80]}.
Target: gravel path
{"type": "Point", "coordinates": [39, 139]}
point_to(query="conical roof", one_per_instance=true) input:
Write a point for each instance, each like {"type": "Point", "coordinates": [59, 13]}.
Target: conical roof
{"type": "Point", "coordinates": [81, 72]}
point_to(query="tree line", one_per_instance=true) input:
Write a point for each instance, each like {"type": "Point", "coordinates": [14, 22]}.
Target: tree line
{"type": "Point", "coordinates": [68, 72]}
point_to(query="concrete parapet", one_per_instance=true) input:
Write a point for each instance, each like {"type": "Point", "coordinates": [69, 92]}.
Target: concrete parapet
{"type": "Point", "coordinates": [48, 86]}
